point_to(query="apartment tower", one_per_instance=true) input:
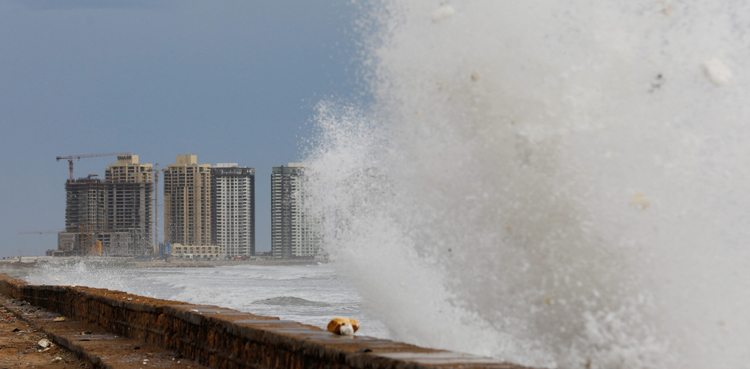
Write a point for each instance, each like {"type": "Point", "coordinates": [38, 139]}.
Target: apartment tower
{"type": "Point", "coordinates": [129, 204]}
{"type": "Point", "coordinates": [113, 217]}
{"type": "Point", "coordinates": [187, 202]}
{"type": "Point", "coordinates": [294, 232]}
{"type": "Point", "coordinates": [233, 209]}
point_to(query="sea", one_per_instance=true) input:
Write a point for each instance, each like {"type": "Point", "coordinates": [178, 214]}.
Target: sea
{"type": "Point", "coordinates": [309, 294]}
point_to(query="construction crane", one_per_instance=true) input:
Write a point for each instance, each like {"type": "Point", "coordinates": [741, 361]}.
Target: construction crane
{"type": "Point", "coordinates": [40, 232]}
{"type": "Point", "coordinates": [86, 231]}
{"type": "Point", "coordinates": [79, 157]}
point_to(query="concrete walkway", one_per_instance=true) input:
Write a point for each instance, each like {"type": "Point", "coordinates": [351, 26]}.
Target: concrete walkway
{"type": "Point", "coordinates": [19, 346]}
{"type": "Point", "coordinates": [75, 344]}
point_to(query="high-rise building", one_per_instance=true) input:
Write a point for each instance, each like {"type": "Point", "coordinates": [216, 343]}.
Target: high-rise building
{"type": "Point", "coordinates": [128, 170]}
{"type": "Point", "coordinates": [84, 203]}
{"type": "Point", "coordinates": [85, 215]}
{"type": "Point", "coordinates": [113, 217]}
{"type": "Point", "coordinates": [233, 209]}
{"type": "Point", "coordinates": [294, 232]}
{"type": "Point", "coordinates": [187, 202]}
{"type": "Point", "coordinates": [129, 203]}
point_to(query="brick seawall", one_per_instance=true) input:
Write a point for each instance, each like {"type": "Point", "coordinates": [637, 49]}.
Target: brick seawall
{"type": "Point", "coordinates": [224, 338]}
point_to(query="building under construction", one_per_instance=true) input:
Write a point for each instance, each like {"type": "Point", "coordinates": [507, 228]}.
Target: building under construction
{"type": "Point", "coordinates": [129, 205]}
{"type": "Point", "coordinates": [113, 217]}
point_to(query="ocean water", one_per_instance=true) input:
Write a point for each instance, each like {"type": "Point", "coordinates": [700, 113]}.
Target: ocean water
{"type": "Point", "coordinates": [310, 294]}
{"type": "Point", "coordinates": [553, 183]}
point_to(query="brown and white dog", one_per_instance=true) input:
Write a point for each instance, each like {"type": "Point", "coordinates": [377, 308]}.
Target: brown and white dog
{"type": "Point", "coordinates": [343, 326]}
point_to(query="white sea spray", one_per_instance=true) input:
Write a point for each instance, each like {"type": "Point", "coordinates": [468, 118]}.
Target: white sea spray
{"type": "Point", "coordinates": [553, 184]}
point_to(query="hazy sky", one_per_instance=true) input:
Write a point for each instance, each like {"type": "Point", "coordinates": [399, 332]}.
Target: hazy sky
{"type": "Point", "coordinates": [228, 81]}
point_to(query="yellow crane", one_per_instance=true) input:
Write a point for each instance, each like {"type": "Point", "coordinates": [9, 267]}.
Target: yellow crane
{"type": "Point", "coordinates": [86, 230]}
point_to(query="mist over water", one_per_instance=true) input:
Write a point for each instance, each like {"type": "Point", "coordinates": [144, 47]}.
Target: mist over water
{"type": "Point", "coordinates": [310, 294]}
{"type": "Point", "coordinates": [557, 184]}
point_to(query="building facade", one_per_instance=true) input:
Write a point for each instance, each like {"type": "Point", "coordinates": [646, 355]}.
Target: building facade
{"type": "Point", "coordinates": [85, 216]}
{"type": "Point", "coordinates": [187, 202]}
{"type": "Point", "coordinates": [129, 205]}
{"type": "Point", "coordinates": [129, 170]}
{"type": "Point", "coordinates": [113, 217]}
{"type": "Point", "coordinates": [233, 209]}
{"type": "Point", "coordinates": [196, 252]}
{"type": "Point", "coordinates": [84, 203]}
{"type": "Point", "coordinates": [294, 232]}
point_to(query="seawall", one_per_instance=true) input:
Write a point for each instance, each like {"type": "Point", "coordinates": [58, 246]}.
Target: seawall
{"type": "Point", "coordinates": [224, 338]}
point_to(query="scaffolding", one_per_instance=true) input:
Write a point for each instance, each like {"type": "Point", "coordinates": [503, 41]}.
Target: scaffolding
{"type": "Point", "coordinates": [107, 218]}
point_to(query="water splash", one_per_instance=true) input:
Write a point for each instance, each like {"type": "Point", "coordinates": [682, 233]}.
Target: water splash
{"type": "Point", "coordinates": [108, 273]}
{"type": "Point", "coordinates": [554, 184]}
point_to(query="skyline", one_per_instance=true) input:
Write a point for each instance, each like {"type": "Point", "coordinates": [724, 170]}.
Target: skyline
{"type": "Point", "coordinates": [228, 82]}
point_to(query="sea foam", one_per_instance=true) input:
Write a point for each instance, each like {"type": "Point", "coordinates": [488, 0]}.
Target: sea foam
{"type": "Point", "coordinates": [558, 184]}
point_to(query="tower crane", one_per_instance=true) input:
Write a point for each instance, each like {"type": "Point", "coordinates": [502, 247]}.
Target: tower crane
{"type": "Point", "coordinates": [40, 232]}
{"type": "Point", "coordinates": [86, 231]}
{"type": "Point", "coordinates": [70, 158]}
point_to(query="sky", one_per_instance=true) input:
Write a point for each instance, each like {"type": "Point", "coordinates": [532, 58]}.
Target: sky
{"type": "Point", "coordinates": [228, 81]}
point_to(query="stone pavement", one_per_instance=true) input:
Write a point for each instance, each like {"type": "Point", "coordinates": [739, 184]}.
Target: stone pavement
{"type": "Point", "coordinates": [76, 344]}
{"type": "Point", "coordinates": [19, 346]}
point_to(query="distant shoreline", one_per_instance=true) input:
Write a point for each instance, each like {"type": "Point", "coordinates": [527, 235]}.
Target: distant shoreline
{"type": "Point", "coordinates": [16, 269]}
{"type": "Point", "coordinates": [31, 261]}
{"type": "Point", "coordinates": [179, 263]}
